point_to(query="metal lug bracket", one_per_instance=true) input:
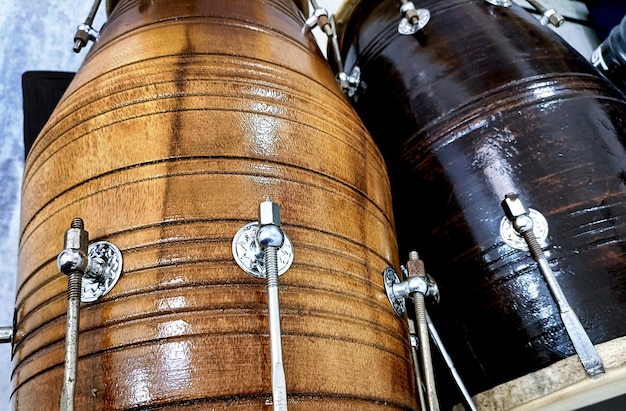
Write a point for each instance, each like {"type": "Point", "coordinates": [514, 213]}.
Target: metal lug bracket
{"type": "Point", "coordinates": [390, 278]}
{"type": "Point", "coordinates": [512, 238]}
{"type": "Point", "coordinates": [250, 256]}
{"type": "Point", "coordinates": [397, 291]}
{"type": "Point", "coordinates": [408, 24]}
{"type": "Point", "coordinates": [103, 271]}
{"type": "Point", "coordinates": [349, 84]}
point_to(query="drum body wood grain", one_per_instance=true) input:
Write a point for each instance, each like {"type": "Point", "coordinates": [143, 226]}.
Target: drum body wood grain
{"type": "Point", "coordinates": [483, 102]}
{"type": "Point", "coordinates": [184, 116]}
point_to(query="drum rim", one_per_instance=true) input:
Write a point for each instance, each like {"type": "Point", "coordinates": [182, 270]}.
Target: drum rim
{"type": "Point", "coordinates": [576, 390]}
{"type": "Point", "coordinates": [303, 5]}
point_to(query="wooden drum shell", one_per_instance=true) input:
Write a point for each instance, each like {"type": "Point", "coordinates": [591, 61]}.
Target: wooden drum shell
{"type": "Point", "coordinates": [485, 101]}
{"type": "Point", "coordinates": [184, 116]}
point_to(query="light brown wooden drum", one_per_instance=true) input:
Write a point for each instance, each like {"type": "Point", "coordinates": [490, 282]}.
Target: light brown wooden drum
{"type": "Point", "coordinates": [184, 116]}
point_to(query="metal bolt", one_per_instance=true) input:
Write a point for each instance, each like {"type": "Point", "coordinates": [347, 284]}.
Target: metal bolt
{"type": "Point", "coordinates": [85, 31]}
{"type": "Point", "coordinates": [548, 15]}
{"type": "Point", "coordinates": [269, 213]}
{"type": "Point", "coordinates": [6, 334]}
{"type": "Point", "coordinates": [517, 212]}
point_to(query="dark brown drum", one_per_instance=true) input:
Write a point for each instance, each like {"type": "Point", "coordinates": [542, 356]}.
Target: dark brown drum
{"type": "Point", "coordinates": [483, 102]}
{"type": "Point", "coordinates": [184, 116]}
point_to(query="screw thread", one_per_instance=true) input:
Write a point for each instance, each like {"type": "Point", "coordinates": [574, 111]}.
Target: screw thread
{"type": "Point", "coordinates": [271, 266]}
{"type": "Point", "coordinates": [78, 223]}
{"type": "Point", "coordinates": [74, 285]}
{"type": "Point", "coordinates": [533, 244]}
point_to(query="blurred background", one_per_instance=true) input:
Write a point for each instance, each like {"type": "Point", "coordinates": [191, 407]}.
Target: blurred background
{"type": "Point", "coordinates": [38, 36]}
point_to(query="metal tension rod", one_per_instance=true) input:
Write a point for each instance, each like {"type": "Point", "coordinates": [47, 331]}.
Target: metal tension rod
{"type": "Point", "coordinates": [321, 19]}
{"type": "Point", "coordinates": [417, 286]}
{"type": "Point", "coordinates": [415, 267]}
{"type": "Point", "coordinates": [73, 262]}
{"type": "Point", "coordinates": [519, 216]}
{"type": "Point", "coordinates": [467, 398]}
{"type": "Point", "coordinates": [85, 31]}
{"type": "Point", "coordinates": [270, 238]}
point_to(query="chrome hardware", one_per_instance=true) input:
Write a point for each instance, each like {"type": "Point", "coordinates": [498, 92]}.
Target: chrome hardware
{"type": "Point", "coordinates": [398, 291]}
{"type": "Point", "coordinates": [318, 18]}
{"type": "Point", "coordinates": [103, 271]}
{"type": "Point", "coordinates": [85, 32]}
{"type": "Point", "coordinates": [270, 237]}
{"type": "Point", "coordinates": [500, 3]}
{"type": "Point", "coordinates": [263, 250]}
{"type": "Point", "coordinates": [6, 335]}
{"type": "Point", "coordinates": [390, 278]}
{"type": "Point", "coordinates": [415, 267]}
{"type": "Point", "coordinates": [250, 256]}
{"type": "Point", "coordinates": [73, 262]}
{"type": "Point", "coordinates": [348, 83]}
{"type": "Point", "coordinates": [511, 235]}
{"type": "Point", "coordinates": [412, 20]}
{"type": "Point", "coordinates": [94, 270]}
{"type": "Point", "coordinates": [417, 286]}
{"type": "Point", "coordinates": [548, 16]}
{"type": "Point", "coordinates": [517, 212]}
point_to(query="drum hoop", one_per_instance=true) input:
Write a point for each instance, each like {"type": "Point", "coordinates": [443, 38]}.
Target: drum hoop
{"type": "Point", "coordinates": [302, 5]}
{"type": "Point", "coordinates": [571, 387]}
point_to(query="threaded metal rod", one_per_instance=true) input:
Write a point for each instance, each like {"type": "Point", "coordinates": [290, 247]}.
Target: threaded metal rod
{"type": "Point", "coordinates": [587, 353]}
{"type": "Point", "coordinates": [416, 269]}
{"type": "Point", "coordinates": [427, 366]}
{"type": "Point", "coordinates": [279, 389]}
{"type": "Point", "coordinates": [72, 261]}
{"type": "Point", "coordinates": [71, 340]}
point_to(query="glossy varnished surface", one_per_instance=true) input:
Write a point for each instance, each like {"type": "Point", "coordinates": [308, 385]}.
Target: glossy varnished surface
{"type": "Point", "coordinates": [484, 102]}
{"type": "Point", "coordinates": [183, 117]}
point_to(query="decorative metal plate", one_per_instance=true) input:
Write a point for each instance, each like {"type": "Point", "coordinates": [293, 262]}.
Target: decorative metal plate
{"type": "Point", "coordinates": [406, 28]}
{"type": "Point", "coordinates": [512, 237]}
{"type": "Point", "coordinates": [105, 268]}
{"type": "Point", "coordinates": [390, 277]}
{"type": "Point", "coordinates": [251, 258]}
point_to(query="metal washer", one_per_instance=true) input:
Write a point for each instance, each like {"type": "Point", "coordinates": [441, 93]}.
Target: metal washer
{"type": "Point", "coordinates": [406, 28]}
{"type": "Point", "coordinates": [103, 272]}
{"type": "Point", "coordinates": [512, 238]}
{"type": "Point", "coordinates": [251, 258]}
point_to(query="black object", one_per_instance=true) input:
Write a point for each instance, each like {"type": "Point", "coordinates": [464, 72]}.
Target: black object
{"type": "Point", "coordinates": [604, 15]}
{"type": "Point", "coordinates": [610, 57]}
{"type": "Point", "coordinates": [41, 91]}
